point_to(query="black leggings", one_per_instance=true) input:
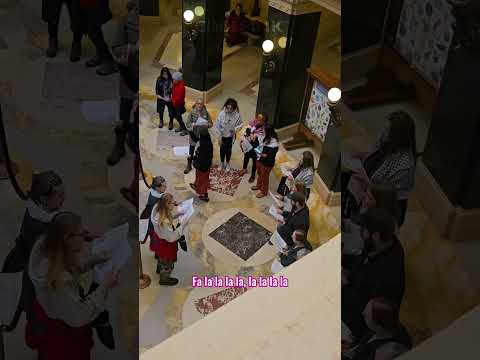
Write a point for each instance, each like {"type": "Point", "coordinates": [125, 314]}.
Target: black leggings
{"type": "Point", "coordinates": [226, 149]}
{"type": "Point", "coordinates": [75, 19]}
{"type": "Point", "coordinates": [403, 211]}
{"type": "Point", "coordinates": [161, 109]}
{"type": "Point", "coordinates": [252, 154]}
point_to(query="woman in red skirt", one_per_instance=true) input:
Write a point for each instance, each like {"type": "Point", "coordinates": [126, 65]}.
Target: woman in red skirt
{"type": "Point", "coordinates": [202, 161]}
{"type": "Point", "coordinates": [165, 237]}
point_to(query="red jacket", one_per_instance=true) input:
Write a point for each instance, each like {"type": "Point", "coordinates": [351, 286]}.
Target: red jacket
{"type": "Point", "coordinates": [178, 94]}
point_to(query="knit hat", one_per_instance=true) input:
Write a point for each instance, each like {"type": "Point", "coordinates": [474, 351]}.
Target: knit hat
{"type": "Point", "coordinates": [177, 76]}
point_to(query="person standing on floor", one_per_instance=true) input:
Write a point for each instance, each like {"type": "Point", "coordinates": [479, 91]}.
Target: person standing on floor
{"type": "Point", "coordinates": [51, 11]}
{"type": "Point", "coordinates": [255, 135]}
{"type": "Point", "coordinates": [202, 161]}
{"type": "Point", "coordinates": [97, 13]}
{"type": "Point", "coordinates": [63, 313]}
{"type": "Point", "coordinates": [158, 188]}
{"type": "Point", "coordinates": [128, 87]}
{"type": "Point", "coordinates": [165, 238]}
{"type": "Point", "coordinates": [229, 122]}
{"type": "Point", "coordinates": [266, 160]}
{"type": "Point", "coordinates": [198, 117]}
{"type": "Point", "coordinates": [163, 90]}
{"type": "Point", "coordinates": [178, 101]}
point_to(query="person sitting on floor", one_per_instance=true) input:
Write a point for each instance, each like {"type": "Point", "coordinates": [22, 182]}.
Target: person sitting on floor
{"type": "Point", "coordinates": [304, 172]}
{"type": "Point", "coordinates": [378, 271]}
{"type": "Point", "coordinates": [387, 338]}
{"type": "Point", "coordinates": [237, 25]}
{"type": "Point", "coordinates": [298, 219]}
{"type": "Point", "coordinates": [301, 247]}
{"type": "Point", "coordinates": [285, 208]}
{"type": "Point", "coordinates": [165, 238]}
{"type": "Point", "coordinates": [202, 161]}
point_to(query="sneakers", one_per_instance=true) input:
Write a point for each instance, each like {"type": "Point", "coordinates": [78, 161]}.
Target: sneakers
{"type": "Point", "coordinates": [227, 167]}
{"type": "Point", "coordinates": [168, 281]}
{"type": "Point", "coordinates": [76, 52]}
{"type": "Point", "coordinates": [254, 188]}
{"type": "Point", "coordinates": [52, 48]}
{"type": "Point", "coordinates": [252, 179]}
{"type": "Point", "coordinates": [177, 130]}
{"type": "Point", "coordinates": [223, 166]}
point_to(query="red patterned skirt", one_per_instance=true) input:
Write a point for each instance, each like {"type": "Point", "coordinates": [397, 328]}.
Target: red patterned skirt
{"type": "Point", "coordinates": [162, 248]}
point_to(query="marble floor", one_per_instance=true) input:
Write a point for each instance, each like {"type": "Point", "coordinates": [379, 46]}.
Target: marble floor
{"type": "Point", "coordinates": [48, 129]}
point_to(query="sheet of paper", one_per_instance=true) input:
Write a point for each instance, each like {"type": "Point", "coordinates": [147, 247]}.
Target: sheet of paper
{"type": "Point", "coordinates": [142, 229]}
{"type": "Point", "coordinates": [277, 266]}
{"type": "Point", "coordinates": [277, 201]}
{"type": "Point", "coordinates": [116, 243]}
{"type": "Point", "coordinates": [10, 288]}
{"type": "Point", "coordinates": [275, 214]}
{"type": "Point", "coordinates": [277, 241]}
{"type": "Point", "coordinates": [285, 171]}
{"type": "Point", "coordinates": [245, 145]}
{"type": "Point", "coordinates": [181, 151]}
{"type": "Point", "coordinates": [187, 208]}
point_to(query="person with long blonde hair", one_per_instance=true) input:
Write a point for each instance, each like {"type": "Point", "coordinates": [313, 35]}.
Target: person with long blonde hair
{"type": "Point", "coordinates": [167, 234]}
{"type": "Point", "coordinates": [60, 269]}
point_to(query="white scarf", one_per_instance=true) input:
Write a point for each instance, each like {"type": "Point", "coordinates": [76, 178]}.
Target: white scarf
{"type": "Point", "coordinates": [40, 214]}
{"type": "Point", "coordinates": [155, 193]}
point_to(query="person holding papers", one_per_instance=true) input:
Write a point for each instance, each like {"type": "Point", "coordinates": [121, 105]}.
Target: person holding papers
{"type": "Point", "coordinates": [266, 160]}
{"type": "Point", "coordinates": [392, 161]}
{"type": "Point", "coordinates": [165, 238]}
{"type": "Point", "coordinates": [299, 219]}
{"type": "Point", "coordinates": [285, 206]}
{"type": "Point", "coordinates": [253, 136]}
{"type": "Point", "coordinates": [159, 186]}
{"type": "Point", "coordinates": [202, 161]}
{"type": "Point", "coordinates": [163, 91]}
{"type": "Point", "coordinates": [301, 247]}
{"type": "Point", "coordinates": [304, 172]}
{"type": "Point", "coordinates": [229, 122]}
{"type": "Point", "coordinates": [196, 120]}
{"type": "Point", "coordinates": [63, 313]}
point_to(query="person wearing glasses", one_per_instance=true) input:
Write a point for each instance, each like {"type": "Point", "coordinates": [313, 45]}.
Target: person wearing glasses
{"type": "Point", "coordinates": [66, 307]}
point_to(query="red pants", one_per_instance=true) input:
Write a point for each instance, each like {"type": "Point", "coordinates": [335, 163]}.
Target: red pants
{"type": "Point", "coordinates": [263, 177]}
{"type": "Point", "coordinates": [202, 182]}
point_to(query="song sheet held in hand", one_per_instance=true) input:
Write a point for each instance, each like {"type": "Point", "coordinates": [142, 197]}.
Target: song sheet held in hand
{"type": "Point", "coordinates": [115, 242]}
{"type": "Point", "coordinates": [188, 210]}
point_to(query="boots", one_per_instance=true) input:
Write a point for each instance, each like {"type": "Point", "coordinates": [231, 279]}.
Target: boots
{"type": "Point", "coordinates": [52, 47]}
{"type": "Point", "coordinates": [166, 280]}
{"type": "Point", "coordinates": [160, 125]}
{"type": "Point", "coordinates": [189, 166]}
{"type": "Point", "coordinates": [76, 51]}
{"type": "Point", "coordinates": [170, 125]}
{"type": "Point", "coordinates": [118, 151]}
